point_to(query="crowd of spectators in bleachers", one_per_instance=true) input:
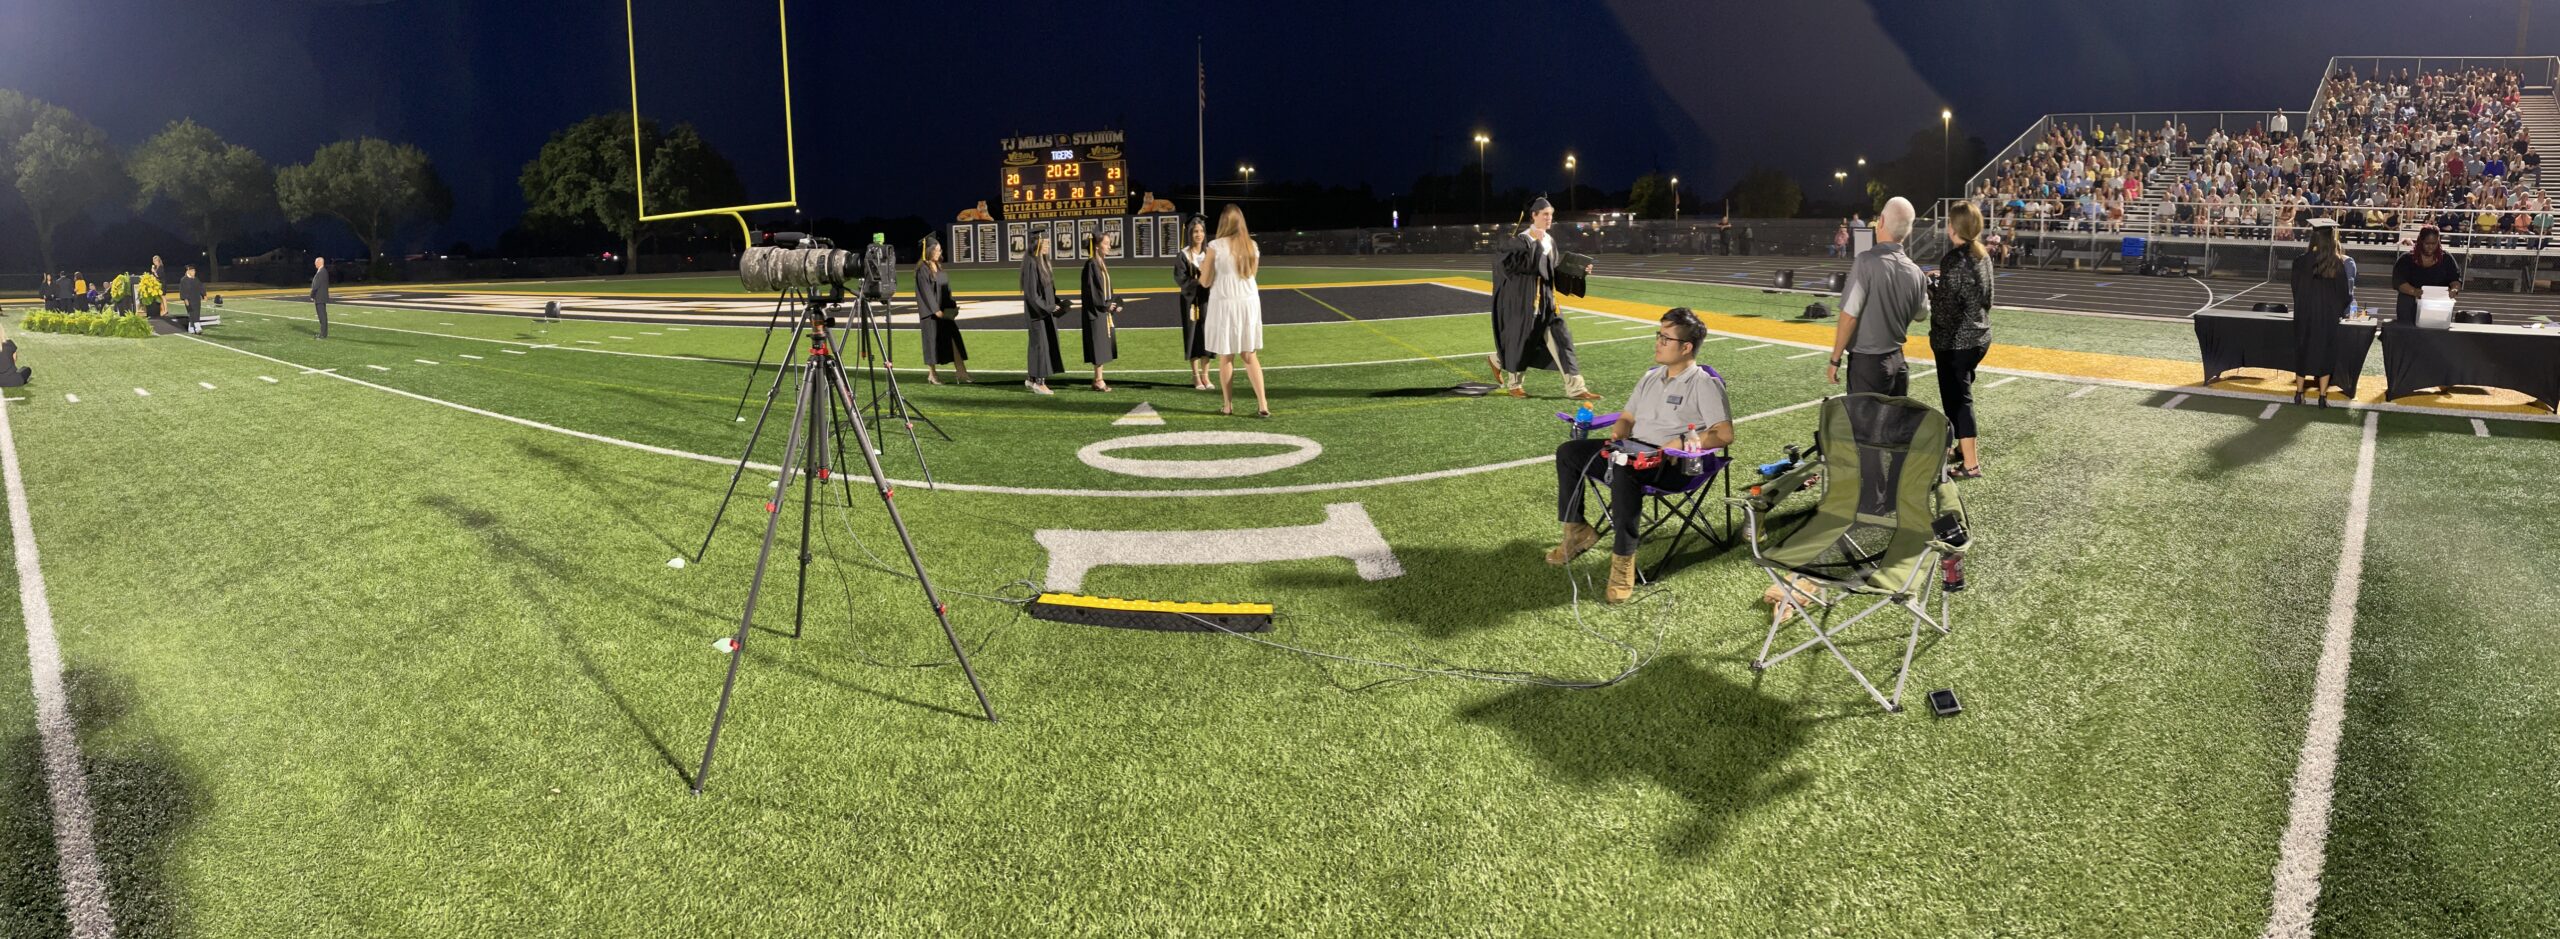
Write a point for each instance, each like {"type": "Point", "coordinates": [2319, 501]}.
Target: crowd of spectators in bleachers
{"type": "Point", "coordinates": [2381, 151]}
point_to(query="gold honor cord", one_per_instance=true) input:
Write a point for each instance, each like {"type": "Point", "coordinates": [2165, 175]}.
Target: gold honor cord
{"type": "Point", "coordinates": [790, 156]}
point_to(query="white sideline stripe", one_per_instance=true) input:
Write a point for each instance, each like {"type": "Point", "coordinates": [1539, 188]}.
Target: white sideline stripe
{"type": "Point", "coordinates": [1996, 384]}
{"type": "Point", "coordinates": [971, 487]}
{"type": "Point", "coordinates": [268, 379]}
{"type": "Point", "coordinates": [468, 355]}
{"type": "Point", "coordinates": [377, 368]}
{"type": "Point", "coordinates": [2479, 428]}
{"type": "Point", "coordinates": [84, 880]}
{"type": "Point", "coordinates": [1122, 371]}
{"type": "Point", "coordinates": [143, 393]}
{"type": "Point", "coordinates": [2084, 391]}
{"type": "Point", "coordinates": [2270, 412]}
{"type": "Point", "coordinates": [2306, 831]}
{"type": "Point", "coordinates": [1806, 355]}
{"type": "Point", "coordinates": [2174, 401]}
{"type": "Point", "coordinates": [206, 385]}
{"type": "Point", "coordinates": [1760, 346]}
{"type": "Point", "coordinates": [422, 361]}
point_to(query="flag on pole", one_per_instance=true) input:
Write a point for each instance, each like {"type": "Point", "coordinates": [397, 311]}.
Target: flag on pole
{"type": "Point", "coordinates": [1204, 85]}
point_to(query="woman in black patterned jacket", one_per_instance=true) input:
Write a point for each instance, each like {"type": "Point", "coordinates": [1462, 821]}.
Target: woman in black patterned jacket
{"type": "Point", "coordinates": [1960, 329]}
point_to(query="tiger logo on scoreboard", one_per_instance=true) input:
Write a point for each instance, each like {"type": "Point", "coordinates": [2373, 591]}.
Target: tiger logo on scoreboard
{"type": "Point", "coordinates": [1149, 205]}
{"type": "Point", "coordinates": [980, 214]}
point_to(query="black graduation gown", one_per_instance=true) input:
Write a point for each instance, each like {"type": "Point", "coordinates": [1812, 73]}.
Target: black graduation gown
{"type": "Point", "coordinates": [2318, 302]}
{"type": "Point", "coordinates": [191, 292]}
{"type": "Point", "coordinates": [1194, 300]}
{"type": "Point", "coordinates": [938, 319]}
{"type": "Point", "coordinates": [1524, 300]}
{"type": "Point", "coordinates": [1101, 338]}
{"type": "Point", "coordinates": [1040, 302]}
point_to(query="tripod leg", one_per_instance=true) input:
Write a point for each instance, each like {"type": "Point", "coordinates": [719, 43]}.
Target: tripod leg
{"type": "Point", "coordinates": [809, 476]}
{"type": "Point", "coordinates": [779, 306]}
{"type": "Point", "coordinates": [755, 586]}
{"type": "Point", "coordinates": [748, 455]}
{"type": "Point", "coordinates": [842, 388]}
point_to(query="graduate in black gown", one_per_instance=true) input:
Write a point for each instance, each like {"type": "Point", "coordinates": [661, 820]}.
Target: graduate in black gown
{"type": "Point", "coordinates": [2323, 289]}
{"type": "Point", "coordinates": [1527, 331]}
{"type": "Point", "coordinates": [938, 316]}
{"type": "Point", "coordinates": [1194, 299]}
{"type": "Point", "coordinates": [1040, 302]}
{"type": "Point", "coordinates": [1101, 308]}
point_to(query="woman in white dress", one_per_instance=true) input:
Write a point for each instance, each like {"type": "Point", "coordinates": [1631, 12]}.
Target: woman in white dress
{"type": "Point", "coordinates": [1233, 321]}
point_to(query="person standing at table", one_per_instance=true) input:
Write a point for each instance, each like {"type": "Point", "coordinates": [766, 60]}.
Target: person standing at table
{"type": "Point", "coordinates": [1040, 302]}
{"type": "Point", "coordinates": [2426, 265]}
{"type": "Point", "coordinates": [1193, 298]}
{"type": "Point", "coordinates": [191, 292]}
{"type": "Point", "coordinates": [1234, 317]}
{"type": "Point", "coordinates": [2323, 291]}
{"type": "Point", "coordinates": [937, 318]}
{"type": "Point", "coordinates": [1960, 328]}
{"type": "Point", "coordinates": [1101, 306]}
{"type": "Point", "coordinates": [320, 293]}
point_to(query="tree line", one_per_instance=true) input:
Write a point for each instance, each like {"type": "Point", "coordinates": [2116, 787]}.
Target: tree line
{"type": "Point", "coordinates": [581, 181]}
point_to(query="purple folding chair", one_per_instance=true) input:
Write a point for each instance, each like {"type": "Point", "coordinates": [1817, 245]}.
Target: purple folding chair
{"type": "Point", "coordinates": [1681, 507]}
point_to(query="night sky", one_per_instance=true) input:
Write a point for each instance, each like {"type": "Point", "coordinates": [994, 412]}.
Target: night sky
{"type": "Point", "coordinates": [900, 105]}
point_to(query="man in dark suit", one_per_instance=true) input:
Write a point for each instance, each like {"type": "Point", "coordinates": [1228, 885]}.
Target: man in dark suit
{"type": "Point", "coordinates": [320, 293]}
{"type": "Point", "coordinates": [191, 291]}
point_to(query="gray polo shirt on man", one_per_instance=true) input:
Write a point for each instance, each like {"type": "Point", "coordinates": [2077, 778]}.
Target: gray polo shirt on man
{"type": "Point", "coordinates": [1664, 408]}
{"type": "Point", "coordinates": [1886, 292]}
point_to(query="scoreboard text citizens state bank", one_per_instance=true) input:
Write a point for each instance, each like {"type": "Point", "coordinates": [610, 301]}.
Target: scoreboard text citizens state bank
{"type": "Point", "coordinates": [1065, 176]}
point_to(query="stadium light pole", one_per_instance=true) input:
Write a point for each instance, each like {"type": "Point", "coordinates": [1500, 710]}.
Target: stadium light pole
{"type": "Point", "coordinates": [1571, 181]}
{"type": "Point", "coordinates": [1946, 137]}
{"type": "Point", "coordinates": [1481, 184]}
{"type": "Point", "coordinates": [1675, 198]}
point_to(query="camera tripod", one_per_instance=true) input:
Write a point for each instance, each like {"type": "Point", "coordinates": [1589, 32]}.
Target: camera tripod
{"type": "Point", "coordinates": [823, 407]}
{"type": "Point", "coordinates": [783, 309]}
{"type": "Point", "coordinates": [875, 328]}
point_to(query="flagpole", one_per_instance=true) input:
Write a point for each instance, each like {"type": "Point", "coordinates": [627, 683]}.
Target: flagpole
{"type": "Point", "coordinates": [1200, 144]}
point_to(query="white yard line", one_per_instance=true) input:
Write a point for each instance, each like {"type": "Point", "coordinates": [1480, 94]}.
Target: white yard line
{"type": "Point", "coordinates": [2306, 832]}
{"type": "Point", "coordinates": [2270, 411]}
{"type": "Point", "coordinates": [75, 399]}
{"type": "Point", "coordinates": [84, 878]}
{"type": "Point", "coordinates": [206, 385]}
{"type": "Point", "coordinates": [1914, 377]}
{"type": "Point", "coordinates": [1806, 355]}
{"type": "Point", "coordinates": [1760, 346]}
{"type": "Point", "coordinates": [514, 351]}
{"type": "Point", "coordinates": [966, 487]}
{"type": "Point", "coordinates": [2083, 392]}
{"type": "Point", "coordinates": [423, 361]}
{"type": "Point", "coordinates": [267, 378]}
{"type": "Point", "coordinates": [377, 368]}
{"type": "Point", "coordinates": [1996, 384]}
{"type": "Point", "coordinates": [142, 393]}
{"type": "Point", "coordinates": [2479, 428]}
{"type": "Point", "coordinates": [468, 355]}
{"type": "Point", "coordinates": [2174, 401]}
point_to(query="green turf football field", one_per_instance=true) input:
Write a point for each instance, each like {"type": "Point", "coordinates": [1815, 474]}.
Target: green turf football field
{"type": "Point", "coordinates": [394, 649]}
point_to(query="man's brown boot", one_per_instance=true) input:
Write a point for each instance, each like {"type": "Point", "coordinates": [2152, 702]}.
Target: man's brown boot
{"type": "Point", "coordinates": [1622, 578]}
{"type": "Point", "coordinates": [1578, 538]}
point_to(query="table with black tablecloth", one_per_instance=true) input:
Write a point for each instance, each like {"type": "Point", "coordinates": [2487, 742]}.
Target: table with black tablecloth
{"type": "Point", "coordinates": [2232, 339]}
{"type": "Point", "coordinates": [2516, 358]}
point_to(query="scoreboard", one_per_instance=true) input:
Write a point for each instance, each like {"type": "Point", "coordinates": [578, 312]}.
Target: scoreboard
{"type": "Point", "coordinates": [1065, 176]}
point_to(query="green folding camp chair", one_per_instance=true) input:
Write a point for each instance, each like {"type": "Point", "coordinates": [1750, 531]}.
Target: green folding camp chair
{"type": "Point", "coordinates": [1886, 518]}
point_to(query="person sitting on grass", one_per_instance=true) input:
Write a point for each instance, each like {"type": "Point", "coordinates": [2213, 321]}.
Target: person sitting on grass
{"type": "Point", "coordinates": [12, 374]}
{"type": "Point", "coordinates": [1676, 404]}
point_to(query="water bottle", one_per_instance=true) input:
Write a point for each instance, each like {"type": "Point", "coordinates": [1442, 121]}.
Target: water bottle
{"type": "Point", "coordinates": [1953, 569]}
{"type": "Point", "coordinates": [1582, 422]}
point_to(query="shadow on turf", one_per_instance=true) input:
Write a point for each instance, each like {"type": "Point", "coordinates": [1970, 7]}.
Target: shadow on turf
{"type": "Point", "coordinates": [521, 560]}
{"type": "Point", "coordinates": [143, 802]}
{"type": "Point", "coordinates": [1713, 741]}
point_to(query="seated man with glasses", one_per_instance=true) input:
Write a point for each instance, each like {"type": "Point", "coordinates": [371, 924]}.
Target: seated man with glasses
{"type": "Point", "coordinates": [1676, 404]}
